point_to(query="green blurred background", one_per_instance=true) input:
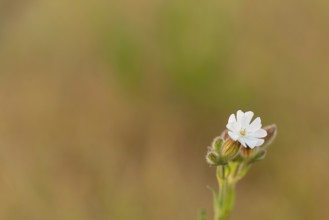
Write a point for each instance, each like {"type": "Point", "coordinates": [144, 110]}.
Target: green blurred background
{"type": "Point", "coordinates": [107, 107]}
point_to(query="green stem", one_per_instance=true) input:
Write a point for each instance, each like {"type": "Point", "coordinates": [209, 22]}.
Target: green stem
{"type": "Point", "coordinates": [225, 199]}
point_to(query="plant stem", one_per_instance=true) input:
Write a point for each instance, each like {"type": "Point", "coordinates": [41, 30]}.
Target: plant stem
{"type": "Point", "coordinates": [225, 199]}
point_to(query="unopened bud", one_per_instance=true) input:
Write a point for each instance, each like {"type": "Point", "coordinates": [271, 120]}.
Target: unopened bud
{"type": "Point", "coordinates": [212, 158]}
{"type": "Point", "coordinates": [229, 149]}
{"type": "Point", "coordinates": [217, 144]}
{"type": "Point", "coordinates": [248, 153]}
{"type": "Point", "coordinates": [271, 134]}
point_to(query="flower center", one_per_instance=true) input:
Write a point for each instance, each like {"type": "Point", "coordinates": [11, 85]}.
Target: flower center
{"type": "Point", "coordinates": [243, 132]}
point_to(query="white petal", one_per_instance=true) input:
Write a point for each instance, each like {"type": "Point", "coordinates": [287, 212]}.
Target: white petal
{"type": "Point", "coordinates": [231, 119]}
{"type": "Point", "coordinates": [239, 116]}
{"type": "Point", "coordinates": [241, 140]}
{"type": "Point", "coordinates": [255, 125]}
{"type": "Point", "coordinates": [233, 135]}
{"type": "Point", "coordinates": [251, 142]}
{"type": "Point", "coordinates": [261, 133]}
{"type": "Point", "coordinates": [260, 142]}
{"type": "Point", "coordinates": [246, 119]}
{"type": "Point", "coordinates": [232, 127]}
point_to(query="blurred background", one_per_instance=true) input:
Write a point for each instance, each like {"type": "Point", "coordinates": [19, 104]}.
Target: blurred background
{"type": "Point", "coordinates": [107, 107]}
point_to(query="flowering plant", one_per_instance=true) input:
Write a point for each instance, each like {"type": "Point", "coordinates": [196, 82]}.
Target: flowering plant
{"type": "Point", "coordinates": [233, 152]}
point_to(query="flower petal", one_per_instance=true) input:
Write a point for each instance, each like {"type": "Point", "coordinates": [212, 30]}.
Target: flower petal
{"type": "Point", "coordinates": [232, 124]}
{"type": "Point", "coordinates": [261, 133]}
{"type": "Point", "coordinates": [239, 116]}
{"type": "Point", "coordinates": [255, 125]}
{"type": "Point", "coordinates": [260, 142]}
{"type": "Point", "coordinates": [232, 127]}
{"type": "Point", "coordinates": [242, 141]}
{"type": "Point", "coordinates": [246, 119]}
{"type": "Point", "coordinates": [231, 119]}
{"type": "Point", "coordinates": [233, 135]}
{"type": "Point", "coordinates": [251, 142]}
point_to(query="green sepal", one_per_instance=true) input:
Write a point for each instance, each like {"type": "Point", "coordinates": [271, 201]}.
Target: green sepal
{"type": "Point", "coordinates": [238, 159]}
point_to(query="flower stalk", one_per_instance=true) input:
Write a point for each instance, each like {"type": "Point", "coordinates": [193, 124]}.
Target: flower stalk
{"type": "Point", "coordinates": [227, 177]}
{"type": "Point", "coordinates": [224, 200]}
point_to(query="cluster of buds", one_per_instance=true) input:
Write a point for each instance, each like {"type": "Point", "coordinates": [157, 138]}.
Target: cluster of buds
{"type": "Point", "coordinates": [241, 141]}
{"type": "Point", "coordinates": [222, 151]}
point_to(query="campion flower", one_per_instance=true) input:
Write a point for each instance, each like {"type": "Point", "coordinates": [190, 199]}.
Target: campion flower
{"type": "Point", "coordinates": [241, 129]}
{"type": "Point", "coordinates": [232, 153]}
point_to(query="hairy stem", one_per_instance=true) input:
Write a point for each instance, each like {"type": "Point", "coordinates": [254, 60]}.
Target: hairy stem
{"type": "Point", "coordinates": [224, 202]}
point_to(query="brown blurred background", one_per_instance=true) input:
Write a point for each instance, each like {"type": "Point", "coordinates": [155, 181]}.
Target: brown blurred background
{"type": "Point", "coordinates": [107, 107]}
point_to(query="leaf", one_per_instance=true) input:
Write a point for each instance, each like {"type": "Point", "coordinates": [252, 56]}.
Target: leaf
{"type": "Point", "coordinates": [216, 201]}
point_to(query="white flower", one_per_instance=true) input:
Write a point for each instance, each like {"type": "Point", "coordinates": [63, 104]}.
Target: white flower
{"type": "Point", "coordinates": [248, 134]}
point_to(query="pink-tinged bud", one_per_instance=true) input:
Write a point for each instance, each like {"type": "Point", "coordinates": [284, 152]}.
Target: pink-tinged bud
{"type": "Point", "coordinates": [271, 135]}
{"type": "Point", "coordinates": [248, 153]}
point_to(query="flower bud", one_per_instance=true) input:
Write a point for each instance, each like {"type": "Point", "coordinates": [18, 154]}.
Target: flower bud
{"type": "Point", "coordinates": [212, 158]}
{"type": "Point", "coordinates": [248, 153]}
{"type": "Point", "coordinates": [271, 134]}
{"type": "Point", "coordinates": [229, 149]}
{"type": "Point", "coordinates": [217, 144]}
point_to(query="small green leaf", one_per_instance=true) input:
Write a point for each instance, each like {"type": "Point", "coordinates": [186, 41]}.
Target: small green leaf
{"type": "Point", "coordinates": [216, 201]}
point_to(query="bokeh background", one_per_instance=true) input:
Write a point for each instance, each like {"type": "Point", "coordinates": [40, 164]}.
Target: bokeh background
{"type": "Point", "coordinates": [107, 107]}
